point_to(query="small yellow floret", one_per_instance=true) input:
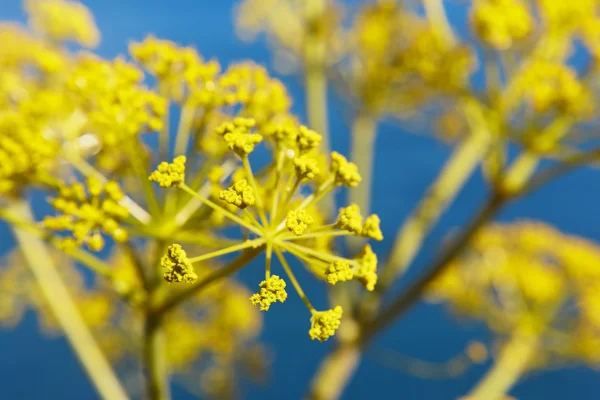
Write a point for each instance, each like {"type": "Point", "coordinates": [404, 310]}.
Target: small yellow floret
{"type": "Point", "coordinates": [338, 271]}
{"type": "Point", "coordinates": [298, 221]}
{"type": "Point", "coordinates": [350, 219]}
{"type": "Point", "coordinates": [306, 167]}
{"type": "Point", "coordinates": [238, 137]}
{"type": "Point", "coordinates": [500, 23]}
{"type": "Point", "coordinates": [371, 228]}
{"type": "Point", "coordinates": [271, 290]}
{"type": "Point", "coordinates": [283, 133]}
{"type": "Point", "coordinates": [178, 266]}
{"type": "Point", "coordinates": [324, 324]}
{"type": "Point", "coordinates": [307, 139]}
{"type": "Point", "coordinates": [170, 175]}
{"type": "Point", "coordinates": [366, 272]}
{"type": "Point", "coordinates": [240, 194]}
{"type": "Point", "coordinates": [346, 173]}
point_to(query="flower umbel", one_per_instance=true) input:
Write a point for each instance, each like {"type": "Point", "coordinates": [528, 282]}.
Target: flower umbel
{"type": "Point", "coordinates": [240, 194]}
{"type": "Point", "coordinates": [178, 266]}
{"type": "Point", "coordinates": [324, 324]}
{"type": "Point", "coordinates": [168, 175]}
{"type": "Point", "coordinates": [271, 290]}
{"type": "Point", "coordinates": [271, 205]}
{"type": "Point", "coordinates": [339, 271]}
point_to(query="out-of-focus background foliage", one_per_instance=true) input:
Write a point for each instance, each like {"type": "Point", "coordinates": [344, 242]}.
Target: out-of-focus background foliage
{"type": "Point", "coordinates": [35, 367]}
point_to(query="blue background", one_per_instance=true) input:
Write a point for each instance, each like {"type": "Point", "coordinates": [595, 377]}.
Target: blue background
{"type": "Point", "coordinates": [35, 367]}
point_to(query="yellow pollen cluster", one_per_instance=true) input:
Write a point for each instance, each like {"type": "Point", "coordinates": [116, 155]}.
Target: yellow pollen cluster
{"type": "Point", "coordinates": [178, 266]}
{"type": "Point", "coordinates": [338, 271]}
{"type": "Point", "coordinates": [86, 213]}
{"type": "Point", "coordinates": [258, 95]}
{"type": "Point", "coordinates": [180, 70]}
{"type": "Point", "coordinates": [238, 137]}
{"type": "Point", "coordinates": [307, 139]}
{"type": "Point", "coordinates": [501, 23]}
{"type": "Point", "coordinates": [371, 228]}
{"type": "Point", "coordinates": [298, 221]}
{"type": "Point", "coordinates": [549, 86]}
{"type": "Point", "coordinates": [324, 324]}
{"type": "Point", "coordinates": [284, 133]}
{"type": "Point", "coordinates": [366, 272]}
{"type": "Point", "coordinates": [170, 175]}
{"type": "Point", "coordinates": [240, 194]}
{"type": "Point", "coordinates": [350, 219]}
{"type": "Point", "coordinates": [345, 172]}
{"type": "Point", "coordinates": [306, 167]}
{"type": "Point", "coordinates": [271, 290]}
{"type": "Point", "coordinates": [116, 102]}
{"type": "Point", "coordinates": [24, 152]}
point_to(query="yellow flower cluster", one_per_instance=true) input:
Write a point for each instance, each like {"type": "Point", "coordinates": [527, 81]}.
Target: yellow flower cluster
{"type": "Point", "coordinates": [88, 210]}
{"type": "Point", "coordinates": [298, 222]}
{"type": "Point", "coordinates": [346, 173]}
{"type": "Point", "coordinates": [306, 167]}
{"type": "Point", "coordinates": [350, 219]}
{"type": "Point", "coordinates": [240, 194]}
{"type": "Point", "coordinates": [238, 136]}
{"type": "Point", "coordinates": [258, 95]}
{"type": "Point", "coordinates": [289, 27]}
{"type": "Point", "coordinates": [178, 266]}
{"type": "Point", "coordinates": [366, 269]}
{"type": "Point", "coordinates": [115, 101]}
{"type": "Point", "coordinates": [63, 20]}
{"type": "Point", "coordinates": [501, 23]}
{"type": "Point", "coordinates": [271, 290]}
{"type": "Point", "coordinates": [170, 174]}
{"type": "Point", "coordinates": [513, 274]}
{"type": "Point", "coordinates": [339, 271]}
{"type": "Point", "coordinates": [181, 72]}
{"type": "Point", "coordinates": [21, 49]}
{"type": "Point", "coordinates": [25, 154]}
{"type": "Point", "coordinates": [564, 17]}
{"type": "Point", "coordinates": [548, 86]}
{"type": "Point", "coordinates": [324, 324]}
{"type": "Point", "coordinates": [282, 217]}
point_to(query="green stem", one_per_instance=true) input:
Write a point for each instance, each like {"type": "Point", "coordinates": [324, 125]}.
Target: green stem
{"type": "Point", "coordinates": [334, 373]}
{"type": "Point", "coordinates": [512, 364]}
{"type": "Point", "coordinates": [440, 194]}
{"type": "Point", "coordinates": [293, 279]}
{"type": "Point", "coordinates": [184, 130]}
{"type": "Point", "coordinates": [227, 250]}
{"type": "Point", "coordinates": [164, 136]}
{"type": "Point", "coordinates": [364, 131]}
{"type": "Point", "coordinates": [64, 309]}
{"type": "Point", "coordinates": [220, 209]}
{"type": "Point", "coordinates": [436, 14]}
{"type": "Point", "coordinates": [155, 360]}
{"type": "Point", "coordinates": [193, 204]}
{"type": "Point", "coordinates": [414, 291]}
{"type": "Point", "coordinates": [138, 164]}
{"type": "Point", "coordinates": [315, 52]}
{"type": "Point", "coordinates": [157, 381]}
{"type": "Point", "coordinates": [186, 120]}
